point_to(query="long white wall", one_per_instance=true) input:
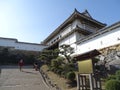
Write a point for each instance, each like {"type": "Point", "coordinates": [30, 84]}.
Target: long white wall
{"type": "Point", "coordinates": [29, 47]}
{"type": "Point", "coordinates": [104, 40]}
{"type": "Point", "coordinates": [7, 42]}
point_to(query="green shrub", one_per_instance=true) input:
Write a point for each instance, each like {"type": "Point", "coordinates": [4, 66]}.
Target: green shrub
{"type": "Point", "coordinates": [63, 73]}
{"type": "Point", "coordinates": [112, 85]}
{"type": "Point", "coordinates": [68, 67]}
{"type": "Point", "coordinates": [118, 75]}
{"type": "Point", "coordinates": [60, 58]}
{"type": "Point", "coordinates": [54, 63]}
{"type": "Point", "coordinates": [111, 77]}
{"type": "Point", "coordinates": [59, 71]}
{"type": "Point", "coordinates": [71, 76]}
{"type": "Point", "coordinates": [117, 72]}
{"type": "Point", "coordinates": [52, 68]}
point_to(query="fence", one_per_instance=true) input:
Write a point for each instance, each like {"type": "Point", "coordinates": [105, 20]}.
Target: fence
{"type": "Point", "coordinates": [88, 82]}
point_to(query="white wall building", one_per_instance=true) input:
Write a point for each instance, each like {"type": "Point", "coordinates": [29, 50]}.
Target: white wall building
{"type": "Point", "coordinates": [80, 31]}
{"type": "Point", "coordinates": [84, 34]}
{"type": "Point", "coordinates": [107, 37]}
{"type": "Point", "coordinates": [13, 43]}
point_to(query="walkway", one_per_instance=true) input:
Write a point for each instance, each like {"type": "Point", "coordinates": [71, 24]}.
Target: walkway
{"type": "Point", "coordinates": [12, 79]}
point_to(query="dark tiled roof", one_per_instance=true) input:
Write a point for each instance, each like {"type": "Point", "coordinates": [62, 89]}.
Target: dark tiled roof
{"type": "Point", "coordinates": [70, 19]}
{"type": "Point", "coordinates": [86, 13]}
{"type": "Point", "coordinates": [20, 42]}
{"type": "Point", "coordinates": [101, 31]}
{"type": "Point", "coordinates": [30, 43]}
{"type": "Point", "coordinates": [9, 39]}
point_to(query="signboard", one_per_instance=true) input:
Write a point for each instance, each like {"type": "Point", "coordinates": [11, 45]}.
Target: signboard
{"type": "Point", "coordinates": [85, 67]}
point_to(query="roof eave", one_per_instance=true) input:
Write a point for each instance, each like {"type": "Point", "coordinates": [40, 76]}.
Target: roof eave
{"type": "Point", "coordinates": [70, 19]}
{"type": "Point", "coordinates": [101, 31]}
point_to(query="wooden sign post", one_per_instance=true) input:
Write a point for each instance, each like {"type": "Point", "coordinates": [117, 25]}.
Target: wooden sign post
{"type": "Point", "coordinates": [85, 68]}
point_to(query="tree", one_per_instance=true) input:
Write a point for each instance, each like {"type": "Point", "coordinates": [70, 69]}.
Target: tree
{"type": "Point", "coordinates": [66, 51]}
{"type": "Point", "coordinates": [47, 55]}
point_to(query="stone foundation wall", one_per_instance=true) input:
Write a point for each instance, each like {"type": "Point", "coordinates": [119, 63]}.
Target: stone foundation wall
{"type": "Point", "coordinates": [107, 50]}
{"type": "Point", "coordinates": [111, 57]}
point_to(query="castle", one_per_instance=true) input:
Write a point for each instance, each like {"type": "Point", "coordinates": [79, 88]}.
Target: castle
{"type": "Point", "coordinates": [80, 30]}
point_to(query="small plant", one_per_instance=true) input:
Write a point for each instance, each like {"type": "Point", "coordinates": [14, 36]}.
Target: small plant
{"type": "Point", "coordinates": [111, 77]}
{"type": "Point", "coordinates": [118, 75]}
{"type": "Point", "coordinates": [71, 76]}
{"type": "Point", "coordinates": [117, 72]}
{"type": "Point", "coordinates": [54, 63]}
{"type": "Point", "coordinates": [112, 85]}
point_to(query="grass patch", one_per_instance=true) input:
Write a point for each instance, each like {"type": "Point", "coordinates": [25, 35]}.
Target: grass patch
{"type": "Point", "coordinates": [61, 82]}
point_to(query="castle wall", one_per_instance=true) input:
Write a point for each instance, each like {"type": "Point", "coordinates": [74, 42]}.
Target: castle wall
{"type": "Point", "coordinates": [13, 43]}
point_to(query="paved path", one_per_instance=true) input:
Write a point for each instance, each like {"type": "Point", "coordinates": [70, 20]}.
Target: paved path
{"type": "Point", "coordinates": [12, 79]}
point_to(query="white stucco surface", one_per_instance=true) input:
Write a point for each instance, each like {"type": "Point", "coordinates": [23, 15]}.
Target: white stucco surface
{"type": "Point", "coordinates": [13, 43]}
{"type": "Point", "coordinates": [104, 40]}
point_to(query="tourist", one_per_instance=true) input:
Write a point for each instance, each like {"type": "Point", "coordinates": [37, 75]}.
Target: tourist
{"type": "Point", "coordinates": [36, 66]}
{"type": "Point", "coordinates": [20, 64]}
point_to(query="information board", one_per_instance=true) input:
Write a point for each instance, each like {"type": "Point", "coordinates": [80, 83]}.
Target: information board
{"type": "Point", "coordinates": [85, 66]}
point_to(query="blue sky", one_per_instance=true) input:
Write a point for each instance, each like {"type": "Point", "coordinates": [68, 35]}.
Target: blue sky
{"type": "Point", "coordinates": [33, 20]}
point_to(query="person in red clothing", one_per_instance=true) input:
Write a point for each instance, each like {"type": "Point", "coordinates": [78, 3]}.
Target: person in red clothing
{"type": "Point", "coordinates": [36, 66]}
{"type": "Point", "coordinates": [20, 64]}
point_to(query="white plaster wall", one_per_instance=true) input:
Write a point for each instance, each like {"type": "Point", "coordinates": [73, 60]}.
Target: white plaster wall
{"type": "Point", "coordinates": [30, 47]}
{"type": "Point", "coordinates": [7, 42]}
{"type": "Point", "coordinates": [79, 36]}
{"type": "Point", "coordinates": [21, 46]}
{"type": "Point", "coordinates": [104, 40]}
{"type": "Point", "coordinates": [71, 26]}
{"type": "Point", "coordinates": [76, 22]}
{"type": "Point", "coordinates": [84, 26]}
{"type": "Point", "coordinates": [66, 30]}
{"type": "Point", "coordinates": [68, 40]}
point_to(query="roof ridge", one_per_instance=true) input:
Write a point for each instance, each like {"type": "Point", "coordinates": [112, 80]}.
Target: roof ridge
{"type": "Point", "coordinates": [86, 12]}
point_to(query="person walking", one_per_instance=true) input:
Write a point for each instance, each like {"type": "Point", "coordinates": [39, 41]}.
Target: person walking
{"type": "Point", "coordinates": [35, 66]}
{"type": "Point", "coordinates": [20, 64]}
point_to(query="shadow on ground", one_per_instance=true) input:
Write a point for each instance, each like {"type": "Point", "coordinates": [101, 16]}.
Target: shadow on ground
{"type": "Point", "coordinates": [28, 72]}
{"type": "Point", "coordinates": [15, 67]}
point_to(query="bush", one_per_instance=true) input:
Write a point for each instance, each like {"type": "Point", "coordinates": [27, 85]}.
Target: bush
{"type": "Point", "coordinates": [71, 76]}
{"type": "Point", "coordinates": [117, 72]}
{"type": "Point", "coordinates": [112, 85]}
{"type": "Point", "coordinates": [59, 71]}
{"type": "Point", "coordinates": [118, 75]}
{"type": "Point", "coordinates": [60, 58]}
{"type": "Point", "coordinates": [111, 77]}
{"type": "Point", "coordinates": [69, 67]}
{"type": "Point", "coordinates": [52, 69]}
{"type": "Point", "coordinates": [54, 63]}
